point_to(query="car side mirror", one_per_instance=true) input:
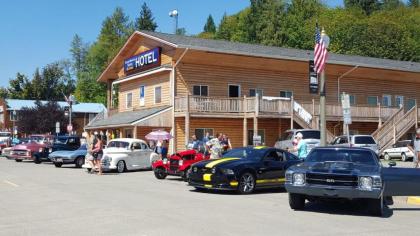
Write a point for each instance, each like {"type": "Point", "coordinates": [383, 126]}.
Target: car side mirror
{"type": "Point", "coordinates": [392, 163]}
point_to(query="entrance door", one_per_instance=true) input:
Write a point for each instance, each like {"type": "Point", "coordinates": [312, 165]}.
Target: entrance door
{"type": "Point", "coordinates": [128, 133]}
{"type": "Point", "coordinates": [234, 91]}
{"type": "Point", "coordinates": [136, 155]}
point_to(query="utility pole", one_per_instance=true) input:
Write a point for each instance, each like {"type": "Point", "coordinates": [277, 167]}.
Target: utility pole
{"type": "Point", "coordinates": [174, 14]}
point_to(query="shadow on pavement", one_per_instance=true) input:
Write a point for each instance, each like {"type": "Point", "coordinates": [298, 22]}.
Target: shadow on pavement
{"type": "Point", "coordinates": [232, 192]}
{"type": "Point", "coordinates": [344, 208]}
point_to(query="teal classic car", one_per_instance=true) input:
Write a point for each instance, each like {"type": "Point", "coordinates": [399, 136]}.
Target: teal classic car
{"type": "Point", "coordinates": [76, 157]}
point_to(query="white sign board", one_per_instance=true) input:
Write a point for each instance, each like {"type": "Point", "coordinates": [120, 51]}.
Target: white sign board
{"type": "Point", "coordinates": [57, 127]}
{"type": "Point", "coordinates": [256, 139]}
{"type": "Point", "coordinates": [345, 103]}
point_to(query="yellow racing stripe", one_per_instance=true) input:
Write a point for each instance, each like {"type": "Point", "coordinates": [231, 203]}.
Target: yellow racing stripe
{"type": "Point", "coordinates": [216, 162]}
{"type": "Point", "coordinates": [264, 181]}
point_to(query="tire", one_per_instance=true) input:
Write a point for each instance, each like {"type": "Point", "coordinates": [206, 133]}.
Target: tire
{"type": "Point", "coordinates": [184, 175]}
{"type": "Point", "coordinates": [246, 183]}
{"type": "Point", "coordinates": [58, 165]}
{"type": "Point", "coordinates": [387, 157]}
{"type": "Point", "coordinates": [89, 170]}
{"type": "Point", "coordinates": [160, 173]}
{"type": "Point", "coordinates": [376, 206]}
{"type": "Point", "coordinates": [79, 162]}
{"type": "Point", "coordinates": [17, 160]}
{"type": "Point", "coordinates": [296, 201]}
{"type": "Point", "coordinates": [120, 167]}
{"type": "Point", "coordinates": [404, 157]}
{"type": "Point", "coordinates": [37, 160]}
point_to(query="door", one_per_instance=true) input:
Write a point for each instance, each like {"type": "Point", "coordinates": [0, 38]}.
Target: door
{"type": "Point", "coordinates": [401, 181]}
{"type": "Point", "coordinates": [272, 169]}
{"type": "Point", "coordinates": [144, 156]}
{"type": "Point", "coordinates": [136, 153]}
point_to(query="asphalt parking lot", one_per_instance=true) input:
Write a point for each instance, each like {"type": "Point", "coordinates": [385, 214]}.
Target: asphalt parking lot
{"type": "Point", "coordinates": [44, 200]}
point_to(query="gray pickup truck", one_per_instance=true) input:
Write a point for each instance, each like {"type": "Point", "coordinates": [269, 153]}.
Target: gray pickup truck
{"type": "Point", "coordinates": [349, 173]}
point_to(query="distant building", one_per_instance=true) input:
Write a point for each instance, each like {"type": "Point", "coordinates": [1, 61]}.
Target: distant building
{"type": "Point", "coordinates": [82, 113]}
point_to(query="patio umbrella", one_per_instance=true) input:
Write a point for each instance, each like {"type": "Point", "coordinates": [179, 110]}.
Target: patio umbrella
{"type": "Point", "coordinates": [159, 135]}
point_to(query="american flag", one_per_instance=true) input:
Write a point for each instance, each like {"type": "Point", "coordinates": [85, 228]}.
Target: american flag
{"type": "Point", "coordinates": [320, 52]}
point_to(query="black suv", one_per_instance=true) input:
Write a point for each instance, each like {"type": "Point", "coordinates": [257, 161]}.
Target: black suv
{"type": "Point", "coordinates": [61, 143]}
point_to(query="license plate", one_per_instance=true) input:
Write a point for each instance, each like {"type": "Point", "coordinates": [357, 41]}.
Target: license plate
{"type": "Point", "coordinates": [59, 160]}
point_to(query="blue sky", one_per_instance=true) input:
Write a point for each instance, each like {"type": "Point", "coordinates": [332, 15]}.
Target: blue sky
{"type": "Point", "coordinates": [35, 33]}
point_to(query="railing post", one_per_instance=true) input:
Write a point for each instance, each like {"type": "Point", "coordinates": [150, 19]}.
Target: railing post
{"type": "Point", "coordinates": [313, 107]}
{"type": "Point", "coordinates": [379, 115]}
{"type": "Point", "coordinates": [395, 131]}
{"type": "Point", "coordinates": [292, 103]}
{"type": "Point", "coordinates": [245, 124]}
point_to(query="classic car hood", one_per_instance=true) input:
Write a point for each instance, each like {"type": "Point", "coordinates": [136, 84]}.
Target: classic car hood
{"type": "Point", "coordinates": [31, 146]}
{"type": "Point", "coordinates": [116, 151]}
{"type": "Point", "coordinates": [336, 168]}
{"type": "Point", "coordinates": [222, 162]}
{"type": "Point", "coordinates": [62, 153]}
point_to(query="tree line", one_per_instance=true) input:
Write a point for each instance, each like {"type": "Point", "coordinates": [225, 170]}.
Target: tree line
{"type": "Point", "coordinates": [376, 28]}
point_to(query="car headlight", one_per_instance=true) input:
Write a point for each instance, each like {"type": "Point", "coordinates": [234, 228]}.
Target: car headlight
{"type": "Point", "coordinates": [165, 161]}
{"type": "Point", "coordinates": [181, 162]}
{"type": "Point", "coordinates": [365, 183]}
{"type": "Point", "coordinates": [227, 171]}
{"type": "Point", "coordinates": [298, 179]}
{"type": "Point", "coordinates": [41, 150]}
{"type": "Point", "coordinates": [213, 171]}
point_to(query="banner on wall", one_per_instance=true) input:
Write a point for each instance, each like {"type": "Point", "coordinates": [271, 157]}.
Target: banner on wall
{"type": "Point", "coordinates": [143, 61]}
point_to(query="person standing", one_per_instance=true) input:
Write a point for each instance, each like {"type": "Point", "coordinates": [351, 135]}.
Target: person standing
{"type": "Point", "coordinates": [215, 147]}
{"type": "Point", "coordinates": [226, 143]}
{"type": "Point", "coordinates": [97, 153]}
{"type": "Point", "coordinates": [164, 150]}
{"type": "Point", "coordinates": [301, 147]}
{"type": "Point", "coordinates": [414, 147]}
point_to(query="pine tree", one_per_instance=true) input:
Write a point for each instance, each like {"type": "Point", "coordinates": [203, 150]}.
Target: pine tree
{"type": "Point", "coordinates": [413, 3]}
{"type": "Point", "coordinates": [145, 21]}
{"type": "Point", "coordinates": [210, 27]}
{"type": "Point", "coordinates": [78, 50]}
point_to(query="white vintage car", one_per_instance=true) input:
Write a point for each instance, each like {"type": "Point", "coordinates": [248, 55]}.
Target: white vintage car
{"type": "Point", "coordinates": [126, 154]}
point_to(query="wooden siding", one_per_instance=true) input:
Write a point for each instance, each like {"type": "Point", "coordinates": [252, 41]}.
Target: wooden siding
{"type": "Point", "coordinates": [150, 82]}
{"type": "Point", "coordinates": [336, 128]}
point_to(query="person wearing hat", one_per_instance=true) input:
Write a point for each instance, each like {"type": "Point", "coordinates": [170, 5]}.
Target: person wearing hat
{"type": "Point", "coordinates": [301, 147]}
{"type": "Point", "coordinates": [414, 147]}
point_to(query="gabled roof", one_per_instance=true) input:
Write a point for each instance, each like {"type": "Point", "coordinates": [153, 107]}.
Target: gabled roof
{"type": "Point", "coordinates": [126, 118]}
{"type": "Point", "coordinates": [222, 46]}
{"type": "Point", "coordinates": [17, 104]}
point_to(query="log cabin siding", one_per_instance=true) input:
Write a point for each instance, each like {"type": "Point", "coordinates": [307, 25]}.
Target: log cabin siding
{"type": "Point", "coordinates": [150, 83]}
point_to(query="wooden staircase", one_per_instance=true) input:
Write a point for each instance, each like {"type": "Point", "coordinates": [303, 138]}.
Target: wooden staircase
{"type": "Point", "coordinates": [395, 127]}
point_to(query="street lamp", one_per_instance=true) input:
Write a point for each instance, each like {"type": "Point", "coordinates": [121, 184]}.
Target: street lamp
{"type": "Point", "coordinates": [174, 14]}
{"type": "Point", "coordinates": [70, 100]}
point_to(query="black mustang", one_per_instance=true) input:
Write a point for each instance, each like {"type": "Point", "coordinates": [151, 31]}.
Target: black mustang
{"type": "Point", "coordinates": [243, 170]}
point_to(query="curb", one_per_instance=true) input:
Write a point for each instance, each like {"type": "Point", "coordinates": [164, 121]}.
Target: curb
{"type": "Point", "coordinates": [413, 200]}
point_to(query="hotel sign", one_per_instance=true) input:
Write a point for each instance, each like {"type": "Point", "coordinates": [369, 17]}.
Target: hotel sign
{"type": "Point", "coordinates": [143, 61]}
{"type": "Point", "coordinates": [313, 78]}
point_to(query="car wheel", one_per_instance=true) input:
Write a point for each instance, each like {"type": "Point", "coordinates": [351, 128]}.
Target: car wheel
{"type": "Point", "coordinates": [387, 157]}
{"type": "Point", "coordinates": [296, 201]}
{"type": "Point", "coordinates": [120, 167]}
{"type": "Point", "coordinates": [246, 183]}
{"type": "Point", "coordinates": [160, 173]}
{"type": "Point", "coordinates": [17, 160]}
{"type": "Point", "coordinates": [58, 164]}
{"type": "Point", "coordinates": [376, 206]}
{"type": "Point", "coordinates": [89, 170]}
{"type": "Point", "coordinates": [184, 175]}
{"type": "Point", "coordinates": [403, 156]}
{"type": "Point", "coordinates": [79, 162]}
{"type": "Point", "coordinates": [37, 160]}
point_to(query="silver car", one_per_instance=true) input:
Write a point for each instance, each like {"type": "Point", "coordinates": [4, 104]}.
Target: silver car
{"type": "Point", "coordinates": [312, 138]}
{"type": "Point", "coordinates": [363, 141]}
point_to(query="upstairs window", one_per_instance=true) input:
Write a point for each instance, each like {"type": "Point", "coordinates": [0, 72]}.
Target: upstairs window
{"type": "Point", "coordinates": [387, 100]}
{"type": "Point", "coordinates": [158, 94]}
{"type": "Point", "coordinates": [201, 90]}
{"type": "Point", "coordinates": [129, 100]}
{"type": "Point", "coordinates": [254, 92]}
{"type": "Point", "coordinates": [372, 100]}
{"type": "Point", "coordinates": [286, 94]}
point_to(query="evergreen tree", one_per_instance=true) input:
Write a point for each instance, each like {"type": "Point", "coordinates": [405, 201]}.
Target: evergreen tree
{"type": "Point", "coordinates": [145, 21]}
{"type": "Point", "coordinates": [78, 50]}
{"type": "Point", "coordinates": [210, 27]}
{"type": "Point", "coordinates": [368, 6]}
{"type": "Point", "coordinates": [181, 31]}
{"type": "Point", "coordinates": [4, 93]}
{"type": "Point", "coordinates": [413, 3]}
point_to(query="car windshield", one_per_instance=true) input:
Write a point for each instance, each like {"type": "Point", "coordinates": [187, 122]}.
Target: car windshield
{"type": "Point", "coordinates": [287, 136]}
{"type": "Point", "coordinates": [311, 134]}
{"type": "Point", "coordinates": [117, 144]}
{"type": "Point", "coordinates": [5, 135]}
{"type": "Point", "coordinates": [364, 140]}
{"type": "Point", "coordinates": [61, 140]}
{"type": "Point", "coordinates": [364, 157]}
{"type": "Point", "coordinates": [245, 153]}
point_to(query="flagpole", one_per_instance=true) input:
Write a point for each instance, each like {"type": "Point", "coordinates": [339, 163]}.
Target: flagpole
{"type": "Point", "coordinates": [322, 115]}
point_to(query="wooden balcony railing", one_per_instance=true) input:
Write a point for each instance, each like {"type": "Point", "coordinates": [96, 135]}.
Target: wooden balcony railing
{"type": "Point", "coordinates": [277, 106]}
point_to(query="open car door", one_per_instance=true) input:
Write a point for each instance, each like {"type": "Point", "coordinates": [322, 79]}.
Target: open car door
{"type": "Point", "coordinates": [401, 181]}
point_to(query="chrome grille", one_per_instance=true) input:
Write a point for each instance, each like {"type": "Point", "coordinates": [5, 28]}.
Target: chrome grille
{"type": "Point", "coordinates": [332, 179]}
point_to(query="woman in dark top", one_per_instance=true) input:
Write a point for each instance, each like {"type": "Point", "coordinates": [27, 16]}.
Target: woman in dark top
{"type": "Point", "coordinates": [97, 153]}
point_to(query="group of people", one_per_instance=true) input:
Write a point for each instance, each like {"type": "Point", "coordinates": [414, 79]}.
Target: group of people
{"type": "Point", "coordinates": [213, 146]}
{"type": "Point", "coordinates": [160, 147]}
{"type": "Point", "coordinates": [95, 142]}
{"type": "Point", "coordinates": [299, 146]}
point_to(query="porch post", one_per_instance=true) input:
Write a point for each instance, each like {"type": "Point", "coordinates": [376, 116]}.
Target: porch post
{"type": "Point", "coordinates": [187, 120]}
{"type": "Point", "coordinates": [135, 132]}
{"type": "Point", "coordinates": [257, 108]}
{"type": "Point", "coordinates": [245, 124]}
{"type": "Point", "coordinates": [380, 115]}
{"type": "Point", "coordinates": [292, 103]}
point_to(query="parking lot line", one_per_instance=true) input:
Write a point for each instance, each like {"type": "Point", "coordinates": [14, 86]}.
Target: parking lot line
{"type": "Point", "coordinates": [10, 183]}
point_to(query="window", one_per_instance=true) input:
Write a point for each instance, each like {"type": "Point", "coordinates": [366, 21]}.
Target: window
{"type": "Point", "coordinates": [399, 101]}
{"type": "Point", "coordinates": [234, 91]}
{"type": "Point", "coordinates": [141, 94]}
{"type": "Point", "coordinates": [286, 94]}
{"type": "Point", "coordinates": [372, 100]}
{"type": "Point", "coordinates": [364, 140]}
{"type": "Point", "coordinates": [201, 132]}
{"type": "Point", "coordinates": [129, 101]}
{"type": "Point", "coordinates": [410, 103]}
{"type": "Point", "coordinates": [261, 133]}
{"type": "Point", "coordinates": [136, 146]}
{"type": "Point", "coordinates": [352, 99]}
{"type": "Point", "coordinates": [13, 116]}
{"type": "Point", "coordinates": [158, 94]}
{"type": "Point", "coordinates": [272, 156]}
{"type": "Point", "coordinates": [201, 90]}
{"type": "Point", "coordinates": [387, 100]}
{"type": "Point", "coordinates": [254, 92]}
{"type": "Point", "coordinates": [91, 116]}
